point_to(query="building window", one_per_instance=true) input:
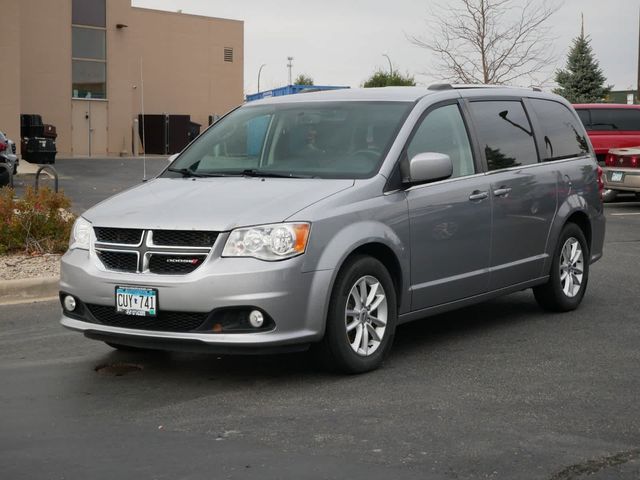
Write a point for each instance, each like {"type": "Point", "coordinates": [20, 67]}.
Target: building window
{"type": "Point", "coordinates": [92, 13]}
{"type": "Point", "coordinates": [89, 79]}
{"type": "Point", "coordinates": [89, 49]}
{"type": "Point", "coordinates": [89, 43]}
{"type": "Point", "coordinates": [228, 54]}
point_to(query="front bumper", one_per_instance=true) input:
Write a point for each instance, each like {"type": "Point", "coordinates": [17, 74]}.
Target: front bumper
{"type": "Point", "coordinates": [296, 301]}
{"type": "Point", "coordinates": [630, 179]}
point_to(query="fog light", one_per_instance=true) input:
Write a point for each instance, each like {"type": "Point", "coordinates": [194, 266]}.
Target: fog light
{"type": "Point", "coordinates": [69, 303]}
{"type": "Point", "coordinates": [256, 319]}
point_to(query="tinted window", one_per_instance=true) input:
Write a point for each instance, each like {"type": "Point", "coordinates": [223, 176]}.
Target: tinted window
{"type": "Point", "coordinates": [562, 134]}
{"type": "Point", "coordinates": [615, 119]}
{"type": "Point", "coordinates": [89, 43]}
{"type": "Point", "coordinates": [443, 131]}
{"type": "Point", "coordinates": [325, 140]}
{"type": "Point", "coordinates": [504, 133]}
{"type": "Point", "coordinates": [89, 12]}
{"type": "Point", "coordinates": [585, 118]}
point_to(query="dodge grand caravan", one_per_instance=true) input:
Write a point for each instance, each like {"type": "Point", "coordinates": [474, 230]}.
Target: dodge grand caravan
{"type": "Point", "coordinates": [327, 219]}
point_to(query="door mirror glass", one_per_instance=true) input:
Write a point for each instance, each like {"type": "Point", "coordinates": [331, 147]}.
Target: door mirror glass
{"type": "Point", "coordinates": [173, 157]}
{"type": "Point", "coordinates": [429, 167]}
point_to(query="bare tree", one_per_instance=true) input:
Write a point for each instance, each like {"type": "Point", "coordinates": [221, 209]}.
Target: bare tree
{"type": "Point", "coordinates": [491, 41]}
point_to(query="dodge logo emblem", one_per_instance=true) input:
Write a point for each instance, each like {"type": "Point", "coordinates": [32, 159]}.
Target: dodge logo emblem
{"type": "Point", "coordinates": [191, 261]}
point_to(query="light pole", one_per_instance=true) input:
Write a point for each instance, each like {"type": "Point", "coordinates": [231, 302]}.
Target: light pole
{"type": "Point", "coordinates": [390, 66]}
{"type": "Point", "coordinates": [290, 66]}
{"type": "Point", "coordinates": [259, 72]}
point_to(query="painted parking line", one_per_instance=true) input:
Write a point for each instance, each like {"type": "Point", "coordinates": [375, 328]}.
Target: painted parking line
{"type": "Point", "coordinates": [624, 214]}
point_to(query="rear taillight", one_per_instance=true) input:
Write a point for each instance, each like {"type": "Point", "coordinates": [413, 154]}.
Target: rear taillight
{"type": "Point", "coordinates": [3, 146]}
{"type": "Point", "coordinates": [610, 160]}
{"type": "Point", "coordinates": [600, 181]}
{"type": "Point", "coordinates": [634, 162]}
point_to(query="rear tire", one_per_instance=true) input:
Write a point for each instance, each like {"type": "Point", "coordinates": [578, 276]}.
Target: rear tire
{"type": "Point", "coordinates": [362, 317]}
{"type": "Point", "coordinates": [609, 195]}
{"type": "Point", "coordinates": [569, 272]}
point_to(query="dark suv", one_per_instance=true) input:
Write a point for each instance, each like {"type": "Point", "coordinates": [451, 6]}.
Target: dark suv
{"type": "Point", "coordinates": [325, 220]}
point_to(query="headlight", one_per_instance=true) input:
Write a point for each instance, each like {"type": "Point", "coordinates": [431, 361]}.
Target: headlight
{"type": "Point", "coordinates": [268, 242]}
{"type": "Point", "coordinates": [80, 235]}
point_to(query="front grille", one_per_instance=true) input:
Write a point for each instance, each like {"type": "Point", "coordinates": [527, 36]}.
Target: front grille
{"type": "Point", "coordinates": [163, 252]}
{"type": "Point", "coordinates": [124, 236]}
{"type": "Point", "coordinates": [163, 322]}
{"type": "Point", "coordinates": [174, 264]}
{"type": "Point", "coordinates": [119, 261]}
{"type": "Point", "coordinates": [184, 238]}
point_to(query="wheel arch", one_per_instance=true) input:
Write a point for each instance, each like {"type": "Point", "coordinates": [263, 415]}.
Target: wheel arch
{"type": "Point", "coordinates": [388, 258]}
{"type": "Point", "coordinates": [581, 219]}
{"type": "Point", "coordinates": [378, 239]}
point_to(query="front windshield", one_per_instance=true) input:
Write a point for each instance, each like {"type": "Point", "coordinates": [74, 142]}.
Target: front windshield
{"type": "Point", "coordinates": [324, 140]}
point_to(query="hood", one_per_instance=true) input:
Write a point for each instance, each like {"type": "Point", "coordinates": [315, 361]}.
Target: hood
{"type": "Point", "coordinates": [215, 204]}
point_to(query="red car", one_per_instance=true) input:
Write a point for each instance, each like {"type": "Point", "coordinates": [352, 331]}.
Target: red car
{"type": "Point", "coordinates": [610, 126]}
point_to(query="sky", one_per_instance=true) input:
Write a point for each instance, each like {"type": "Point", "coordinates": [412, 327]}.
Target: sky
{"type": "Point", "coordinates": [342, 42]}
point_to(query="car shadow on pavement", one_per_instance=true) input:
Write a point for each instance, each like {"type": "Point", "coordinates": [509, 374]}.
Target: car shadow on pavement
{"type": "Point", "coordinates": [411, 341]}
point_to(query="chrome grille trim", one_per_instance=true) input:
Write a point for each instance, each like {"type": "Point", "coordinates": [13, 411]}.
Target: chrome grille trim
{"type": "Point", "coordinates": [145, 250]}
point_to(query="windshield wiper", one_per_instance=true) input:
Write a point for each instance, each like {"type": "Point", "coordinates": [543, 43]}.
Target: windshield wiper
{"type": "Point", "coordinates": [254, 172]}
{"type": "Point", "coordinates": [186, 172]}
{"type": "Point", "coordinates": [190, 173]}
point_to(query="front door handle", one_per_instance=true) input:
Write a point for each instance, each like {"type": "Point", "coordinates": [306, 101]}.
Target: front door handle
{"type": "Point", "coordinates": [502, 191]}
{"type": "Point", "coordinates": [478, 195]}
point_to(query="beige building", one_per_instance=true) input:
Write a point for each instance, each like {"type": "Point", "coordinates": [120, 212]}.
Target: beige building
{"type": "Point", "coordinates": [85, 66]}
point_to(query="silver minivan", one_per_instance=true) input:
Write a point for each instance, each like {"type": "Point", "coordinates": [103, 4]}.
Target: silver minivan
{"type": "Point", "coordinates": [325, 220]}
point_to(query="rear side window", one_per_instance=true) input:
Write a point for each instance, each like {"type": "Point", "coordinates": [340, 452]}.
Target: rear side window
{"type": "Point", "coordinates": [563, 135]}
{"type": "Point", "coordinates": [615, 119]}
{"type": "Point", "coordinates": [504, 133]}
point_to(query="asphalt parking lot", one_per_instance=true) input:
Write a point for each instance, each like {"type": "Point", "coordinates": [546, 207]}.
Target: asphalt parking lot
{"type": "Point", "coordinates": [89, 181]}
{"type": "Point", "coordinates": [500, 390]}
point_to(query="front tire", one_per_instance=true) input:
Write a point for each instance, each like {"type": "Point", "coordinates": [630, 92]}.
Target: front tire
{"type": "Point", "coordinates": [569, 272]}
{"type": "Point", "coordinates": [362, 317]}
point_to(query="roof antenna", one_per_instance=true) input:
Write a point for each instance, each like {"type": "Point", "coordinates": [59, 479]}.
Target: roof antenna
{"type": "Point", "coordinates": [144, 143]}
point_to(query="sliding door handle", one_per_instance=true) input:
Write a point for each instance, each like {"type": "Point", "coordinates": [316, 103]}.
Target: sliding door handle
{"type": "Point", "coordinates": [478, 195]}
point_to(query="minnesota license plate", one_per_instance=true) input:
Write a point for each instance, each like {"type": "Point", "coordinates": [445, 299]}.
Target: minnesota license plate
{"type": "Point", "coordinates": [617, 176]}
{"type": "Point", "coordinates": [138, 301]}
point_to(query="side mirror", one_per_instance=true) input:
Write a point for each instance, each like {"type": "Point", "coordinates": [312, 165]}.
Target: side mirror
{"type": "Point", "coordinates": [173, 157]}
{"type": "Point", "coordinates": [429, 167]}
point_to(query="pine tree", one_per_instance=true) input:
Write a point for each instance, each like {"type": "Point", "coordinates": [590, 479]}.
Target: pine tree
{"type": "Point", "coordinates": [582, 81]}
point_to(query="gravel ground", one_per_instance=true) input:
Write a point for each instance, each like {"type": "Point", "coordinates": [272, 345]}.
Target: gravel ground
{"type": "Point", "coordinates": [26, 266]}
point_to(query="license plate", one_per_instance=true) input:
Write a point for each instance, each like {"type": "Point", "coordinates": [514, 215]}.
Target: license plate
{"type": "Point", "coordinates": [138, 301]}
{"type": "Point", "coordinates": [617, 176]}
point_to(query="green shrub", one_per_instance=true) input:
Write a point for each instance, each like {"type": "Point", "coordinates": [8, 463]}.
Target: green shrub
{"type": "Point", "coordinates": [37, 223]}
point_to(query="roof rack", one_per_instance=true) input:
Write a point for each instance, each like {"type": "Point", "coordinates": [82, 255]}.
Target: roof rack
{"type": "Point", "coordinates": [465, 86]}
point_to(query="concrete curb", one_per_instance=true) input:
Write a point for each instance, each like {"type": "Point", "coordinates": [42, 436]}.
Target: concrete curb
{"type": "Point", "coordinates": [28, 289]}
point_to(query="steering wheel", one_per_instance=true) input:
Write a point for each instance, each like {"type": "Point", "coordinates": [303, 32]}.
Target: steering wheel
{"type": "Point", "coordinates": [372, 153]}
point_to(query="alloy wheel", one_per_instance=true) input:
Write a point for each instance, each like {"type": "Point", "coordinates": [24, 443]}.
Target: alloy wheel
{"type": "Point", "coordinates": [366, 315]}
{"type": "Point", "coordinates": [571, 267]}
